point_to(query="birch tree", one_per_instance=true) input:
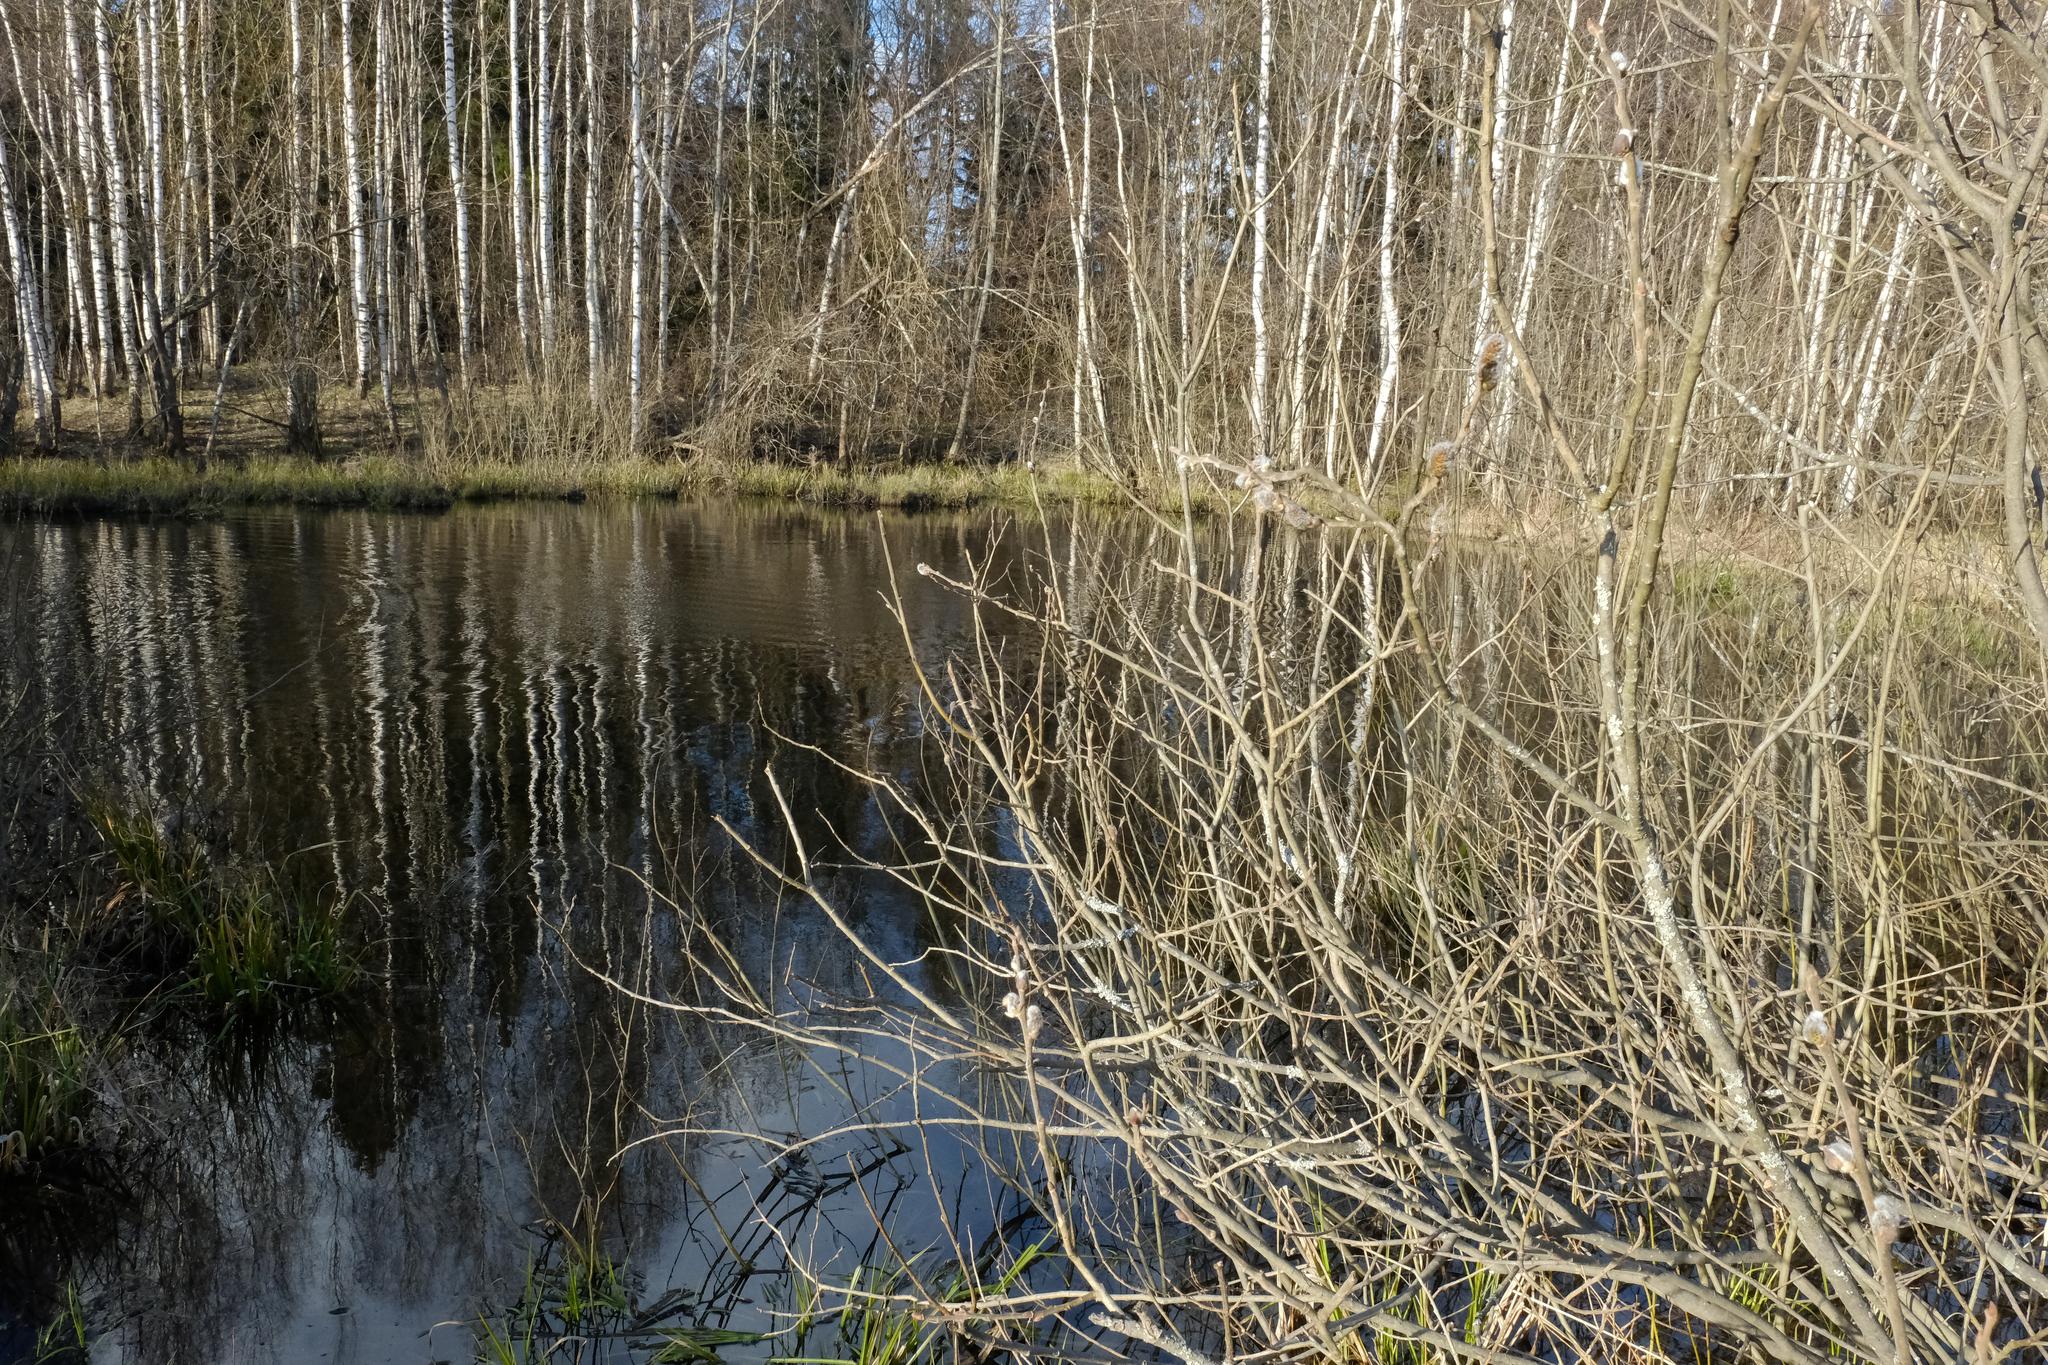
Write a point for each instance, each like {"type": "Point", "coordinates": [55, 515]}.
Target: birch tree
{"type": "Point", "coordinates": [515, 154]}
{"type": "Point", "coordinates": [32, 325]}
{"type": "Point", "coordinates": [458, 183]}
{"type": "Point", "coordinates": [358, 230]}
{"type": "Point", "coordinates": [636, 229]}
{"type": "Point", "coordinates": [116, 171]}
{"type": "Point", "coordinates": [543, 181]}
{"type": "Point", "coordinates": [593, 308]}
{"type": "Point", "coordinates": [301, 381]}
{"type": "Point", "coordinates": [1262, 155]}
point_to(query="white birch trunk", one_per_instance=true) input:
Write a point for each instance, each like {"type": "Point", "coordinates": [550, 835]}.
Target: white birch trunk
{"type": "Point", "coordinates": [1080, 184]}
{"type": "Point", "coordinates": [522, 290]}
{"type": "Point", "coordinates": [40, 363]}
{"type": "Point", "coordinates": [1869, 396]}
{"type": "Point", "coordinates": [824, 309]}
{"type": "Point", "coordinates": [737, 298]}
{"type": "Point", "coordinates": [452, 116]}
{"type": "Point", "coordinates": [156, 222]}
{"type": "Point", "coordinates": [989, 216]}
{"type": "Point", "coordinates": [209, 221]}
{"type": "Point", "coordinates": [1262, 154]}
{"type": "Point", "coordinates": [37, 320]}
{"type": "Point", "coordinates": [714, 286]}
{"type": "Point", "coordinates": [1483, 323]}
{"type": "Point", "coordinates": [192, 246]}
{"type": "Point", "coordinates": [667, 121]}
{"type": "Point", "coordinates": [117, 209]}
{"type": "Point", "coordinates": [543, 181]}
{"type": "Point", "coordinates": [1390, 210]}
{"type": "Point", "coordinates": [87, 140]}
{"type": "Point", "coordinates": [299, 168]}
{"type": "Point", "coordinates": [301, 384]}
{"type": "Point", "coordinates": [383, 291]}
{"type": "Point", "coordinates": [1557, 136]}
{"type": "Point", "coordinates": [85, 328]}
{"type": "Point", "coordinates": [593, 302]}
{"type": "Point", "coordinates": [636, 231]}
{"type": "Point", "coordinates": [1319, 235]}
{"type": "Point", "coordinates": [358, 235]}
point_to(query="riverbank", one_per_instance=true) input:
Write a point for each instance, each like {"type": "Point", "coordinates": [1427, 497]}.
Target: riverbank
{"type": "Point", "coordinates": [167, 487]}
{"type": "Point", "coordinates": [1760, 554]}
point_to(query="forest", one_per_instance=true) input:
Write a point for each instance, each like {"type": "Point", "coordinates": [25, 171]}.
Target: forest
{"type": "Point", "coordinates": [1118, 232]}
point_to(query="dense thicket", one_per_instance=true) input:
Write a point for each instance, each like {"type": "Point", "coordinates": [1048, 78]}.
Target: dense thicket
{"type": "Point", "coordinates": [1122, 226]}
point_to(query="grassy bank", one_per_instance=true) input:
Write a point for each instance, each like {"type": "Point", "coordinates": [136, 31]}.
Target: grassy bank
{"type": "Point", "coordinates": [171, 487]}
{"type": "Point", "coordinates": [1757, 555]}
{"type": "Point", "coordinates": [500, 444]}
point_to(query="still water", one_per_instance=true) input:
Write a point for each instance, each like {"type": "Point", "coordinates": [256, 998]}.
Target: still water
{"type": "Point", "coordinates": [511, 736]}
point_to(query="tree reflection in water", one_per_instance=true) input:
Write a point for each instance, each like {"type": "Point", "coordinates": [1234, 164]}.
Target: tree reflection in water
{"type": "Point", "coordinates": [513, 734]}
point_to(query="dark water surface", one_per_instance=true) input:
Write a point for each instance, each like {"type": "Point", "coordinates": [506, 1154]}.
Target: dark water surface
{"type": "Point", "coordinates": [510, 733]}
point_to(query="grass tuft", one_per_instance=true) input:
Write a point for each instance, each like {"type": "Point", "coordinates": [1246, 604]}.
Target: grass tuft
{"type": "Point", "coordinates": [45, 1091]}
{"type": "Point", "coordinates": [244, 941]}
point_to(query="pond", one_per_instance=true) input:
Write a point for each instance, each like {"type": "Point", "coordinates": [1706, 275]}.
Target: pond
{"type": "Point", "coordinates": [529, 745]}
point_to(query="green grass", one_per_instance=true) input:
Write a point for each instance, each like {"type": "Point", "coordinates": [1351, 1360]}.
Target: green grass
{"type": "Point", "coordinates": [63, 1339]}
{"type": "Point", "coordinates": [157, 485]}
{"type": "Point", "coordinates": [244, 942]}
{"type": "Point", "coordinates": [1987, 643]}
{"type": "Point", "coordinates": [883, 1324]}
{"type": "Point", "coordinates": [576, 1297]}
{"type": "Point", "coordinates": [44, 1087]}
{"type": "Point", "coordinates": [160, 486]}
{"type": "Point", "coordinates": [1706, 586]}
{"type": "Point", "coordinates": [578, 1304]}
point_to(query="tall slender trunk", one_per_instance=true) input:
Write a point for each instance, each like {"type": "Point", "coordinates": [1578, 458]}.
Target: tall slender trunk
{"type": "Point", "coordinates": [522, 291]}
{"type": "Point", "coordinates": [1262, 154]}
{"type": "Point", "coordinates": [383, 246]}
{"type": "Point", "coordinates": [1557, 138]}
{"type": "Point", "coordinates": [452, 112]}
{"type": "Point", "coordinates": [358, 235]}
{"type": "Point", "coordinates": [87, 140]}
{"type": "Point", "coordinates": [149, 46]}
{"type": "Point", "coordinates": [85, 318]}
{"type": "Point", "coordinates": [714, 285]}
{"type": "Point", "coordinates": [32, 247]}
{"type": "Point", "coordinates": [2020, 475]}
{"type": "Point", "coordinates": [192, 244]}
{"type": "Point", "coordinates": [1311, 273]}
{"type": "Point", "coordinates": [488, 187]}
{"type": "Point", "coordinates": [1087, 377]}
{"type": "Point", "coordinates": [593, 303]}
{"type": "Point", "coordinates": [824, 309]}
{"type": "Point", "coordinates": [745, 277]}
{"type": "Point", "coordinates": [209, 198]}
{"type": "Point", "coordinates": [1390, 211]}
{"type": "Point", "coordinates": [301, 383]}
{"type": "Point", "coordinates": [543, 180]}
{"type": "Point", "coordinates": [636, 230]}
{"type": "Point", "coordinates": [39, 360]}
{"type": "Point", "coordinates": [117, 212]}
{"type": "Point", "coordinates": [989, 219]}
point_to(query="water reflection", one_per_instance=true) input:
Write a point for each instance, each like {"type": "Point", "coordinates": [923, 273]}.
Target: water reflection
{"type": "Point", "coordinates": [514, 734]}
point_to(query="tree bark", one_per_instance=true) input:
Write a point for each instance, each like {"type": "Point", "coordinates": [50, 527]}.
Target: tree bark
{"type": "Point", "coordinates": [358, 236]}
{"type": "Point", "coordinates": [117, 216]}
{"type": "Point", "coordinates": [458, 182]}
{"type": "Point", "coordinates": [38, 360]}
